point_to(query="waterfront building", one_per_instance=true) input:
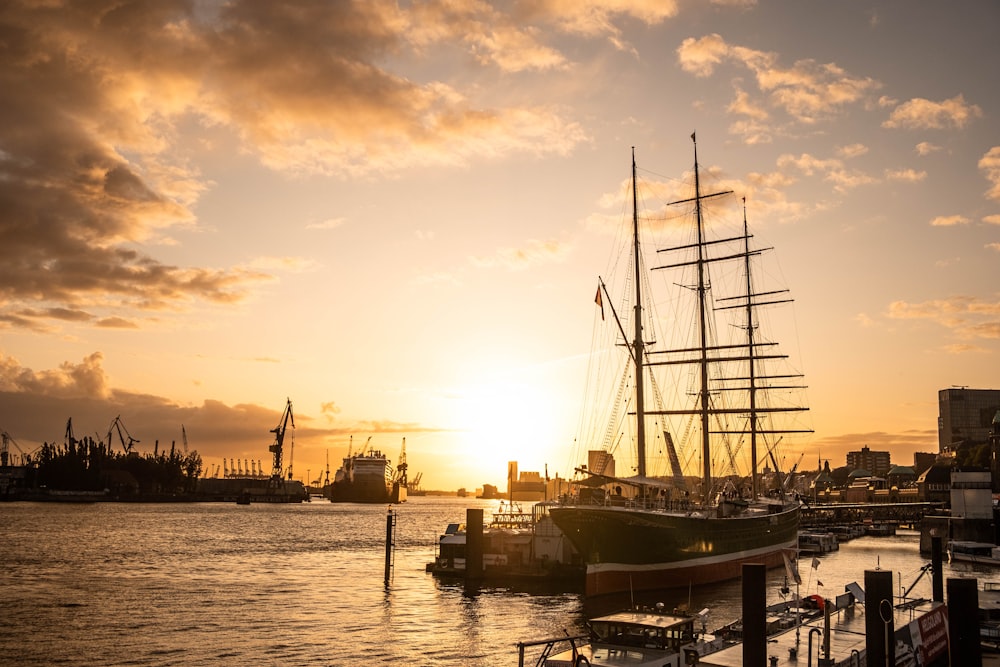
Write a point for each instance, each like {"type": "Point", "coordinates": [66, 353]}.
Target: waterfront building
{"type": "Point", "coordinates": [877, 463]}
{"type": "Point", "coordinates": [901, 477]}
{"type": "Point", "coordinates": [965, 416]}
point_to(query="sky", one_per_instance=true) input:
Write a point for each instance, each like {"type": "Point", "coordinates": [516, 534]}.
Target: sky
{"type": "Point", "coordinates": [394, 213]}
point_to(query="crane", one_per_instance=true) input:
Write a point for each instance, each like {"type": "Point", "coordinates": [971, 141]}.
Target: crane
{"type": "Point", "coordinates": [118, 424]}
{"type": "Point", "coordinates": [791, 473]}
{"type": "Point", "coordinates": [400, 475]}
{"type": "Point", "coordinates": [70, 439]}
{"type": "Point", "coordinates": [279, 440]}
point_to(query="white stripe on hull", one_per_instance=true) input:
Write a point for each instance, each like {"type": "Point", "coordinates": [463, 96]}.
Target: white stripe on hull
{"type": "Point", "coordinates": [608, 578]}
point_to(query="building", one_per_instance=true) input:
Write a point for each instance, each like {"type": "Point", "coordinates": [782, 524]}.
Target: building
{"type": "Point", "coordinates": [877, 463]}
{"type": "Point", "coordinates": [524, 486]}
{"type": "Point", "coordinates": [601, 462]}
{"type": "Point", "coordinates": [965, 416]}
{"type": "Point", "coordinates": [923, 460]}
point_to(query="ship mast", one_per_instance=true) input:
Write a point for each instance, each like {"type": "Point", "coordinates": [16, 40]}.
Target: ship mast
{"type": "Point", "coordinates": [704, 397]}
{"type": "Point", "coordinates": [751, 353]}
{"type": "Point", "coordinates": [637, 344]}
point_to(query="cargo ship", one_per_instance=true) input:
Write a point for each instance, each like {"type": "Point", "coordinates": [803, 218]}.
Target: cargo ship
{"type": "Point", "coordinates": [368, 476]}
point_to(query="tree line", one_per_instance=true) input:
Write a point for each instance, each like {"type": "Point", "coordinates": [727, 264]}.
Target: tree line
{"type": "Point", "coordinates": [92, 465]}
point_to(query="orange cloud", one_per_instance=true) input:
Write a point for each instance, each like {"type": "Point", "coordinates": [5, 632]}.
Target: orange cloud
{"type": "Point", "coordinates": [923, 114]}
{"type": "Point", "coordinates": [989, 164]}
{"type": "Point", "coordinates": [949, 221]}
{"type": "Point", "coordinates": [93, 161]}
{"type": "Point", "coordinates": [966, 316]}
{"type": "Point", "coordinates": [533, 252]}
{"type": "Point", "coordinates": [808, 91]}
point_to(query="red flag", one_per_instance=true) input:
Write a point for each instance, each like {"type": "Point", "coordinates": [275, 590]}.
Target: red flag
{"type": "Point", "coordinates": [819, 583]}
{"type": "Point", "coordinates": [599, 301]}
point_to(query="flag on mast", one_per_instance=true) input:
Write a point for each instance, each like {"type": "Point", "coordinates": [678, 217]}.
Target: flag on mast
{"type": "Point", "coordinates": [599, 301]}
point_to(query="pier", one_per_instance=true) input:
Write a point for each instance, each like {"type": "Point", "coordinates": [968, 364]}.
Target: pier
{"type": "Point", "coordinates": [841, 514]}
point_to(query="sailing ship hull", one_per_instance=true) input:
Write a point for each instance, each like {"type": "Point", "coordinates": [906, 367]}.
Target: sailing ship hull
{"type": "Point", "coordinates": [631, 550]}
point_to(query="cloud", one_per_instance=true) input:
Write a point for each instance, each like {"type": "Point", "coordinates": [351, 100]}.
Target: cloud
{"type": "Point", "coordinates": [116, 323]}
{"type": "Point", "coordinates": [905, 175]}
{"type": "Point", "coordinates": [993, 246]}
{"type": "Point", "coordinates": [832, 169]}
{"type": "Point", "coordinates": [992, 219]}
{"type": "Point", "coordinates": [926, 148]}
{"type": "Point", "coordinates": [95, 166]}
{"type": "Point", "coordinates": [852, 151]}
{"type": "Point", "coordinates": [989, 164]}
{"type": "Point", "coordinates": [593, 18]}
{"type": "Point", "coordinates": [329, 223]}
{"type": "Point", "coordinates": [807, 90]}
{"type": "Point", "coordinates": [949, 221]}
{"type": "Point", "coordinates": [329, 410]}
{"type": "Point", "coordinates": [844, 180]}
{"type": "Point", "coordinates": [966, 316]}
{"type": "Point", "coordinates": [808, 164]}
{"type": "Point", "coordinates": [86, 379]}
{"type": "Point", "coordinates": [35, 406]}
{"type": "Point", "coordinates": [532, 253]}
{"type": "Point", "coordinates": [922, 114]}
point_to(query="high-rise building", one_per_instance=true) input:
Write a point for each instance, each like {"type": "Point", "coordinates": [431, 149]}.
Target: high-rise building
{"type": "Point", "coordinates": [965, 416]}
{"type": "Point", "coordinates": [877, 463]}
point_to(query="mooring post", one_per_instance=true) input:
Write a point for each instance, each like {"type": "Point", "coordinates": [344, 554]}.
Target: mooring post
{"type": "Point", "coordinates": [963, 622]}
{"type": "Point", "coordinates": [754, 621]}
{"type": "Point", "coordinates": [473, 546]}
{"type": "Point", "coordinates": [389, 525]}
{"type": "Point", "coordinates": [880, 649]}
{"type": "Point", "coordinates": [937, 577]}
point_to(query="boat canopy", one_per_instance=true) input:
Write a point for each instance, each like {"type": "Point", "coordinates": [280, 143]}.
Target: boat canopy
{"type": "Point", "coordinates": [639, 481]}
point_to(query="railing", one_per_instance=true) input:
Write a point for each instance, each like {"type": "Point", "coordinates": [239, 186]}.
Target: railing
{"type": "Point", "coordinates": [549, 645]}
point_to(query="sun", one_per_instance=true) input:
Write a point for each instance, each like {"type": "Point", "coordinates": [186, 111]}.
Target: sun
{"type": "Point", "coordinates": [508, 420]}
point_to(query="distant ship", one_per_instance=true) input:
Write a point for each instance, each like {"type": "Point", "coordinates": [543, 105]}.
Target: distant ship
{"type": "Point", "coordinates": [665, 535]}
{"type": "Point", "coordinates": [368, 477]}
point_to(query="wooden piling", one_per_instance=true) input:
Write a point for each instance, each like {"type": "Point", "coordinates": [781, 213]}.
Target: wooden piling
{"type": "Point", "coordinates": [390, 524]}
{"type": "Point", "coordinates": [754, 612]}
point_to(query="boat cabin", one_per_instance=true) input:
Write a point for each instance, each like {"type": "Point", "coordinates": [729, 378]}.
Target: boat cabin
{"type": "Point", "coordinates": [665, 632]}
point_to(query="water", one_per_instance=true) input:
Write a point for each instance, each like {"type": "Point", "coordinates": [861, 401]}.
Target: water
{"type": "Point", "coordinates": [220, 584]}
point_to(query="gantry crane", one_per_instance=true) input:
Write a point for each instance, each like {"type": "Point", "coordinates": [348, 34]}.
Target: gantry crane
{"type": "Point", "coordinates": [279, 439]}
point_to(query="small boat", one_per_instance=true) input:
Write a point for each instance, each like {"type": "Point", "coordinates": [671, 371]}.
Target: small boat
{"type": "Point", "coordinates": [640, 637]}
{"type": "Point", "coordinates": [817, 543]}
{"type": "Point", "coordinates": [517, 544]}
{"type": "Point", "coordinates": [973, 552]}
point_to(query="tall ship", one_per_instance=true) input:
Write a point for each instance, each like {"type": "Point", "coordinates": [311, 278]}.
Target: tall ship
{"type": "Point", "coordinates": [367, 476]}
{"type": "Point", "coordinates": [669, 530]}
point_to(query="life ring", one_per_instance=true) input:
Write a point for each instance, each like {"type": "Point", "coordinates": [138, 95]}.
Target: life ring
{"type": "Point", "coordinates": [581, 660]}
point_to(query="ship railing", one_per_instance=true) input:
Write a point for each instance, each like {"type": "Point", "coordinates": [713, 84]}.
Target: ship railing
{"type": "Point", "coordinates": [550, 646]}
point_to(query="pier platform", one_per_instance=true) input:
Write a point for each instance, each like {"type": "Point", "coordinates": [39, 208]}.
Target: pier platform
{"type": "Point", "coordinates": [921, 626]}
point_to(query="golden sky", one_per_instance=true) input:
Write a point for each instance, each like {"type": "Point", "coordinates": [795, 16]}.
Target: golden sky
{"type": "Point", "coordinates": [395, 213]}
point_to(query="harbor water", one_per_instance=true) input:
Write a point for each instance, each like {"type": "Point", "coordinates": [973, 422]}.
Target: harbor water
{"type": "Point", "coordinates": [221, 584]}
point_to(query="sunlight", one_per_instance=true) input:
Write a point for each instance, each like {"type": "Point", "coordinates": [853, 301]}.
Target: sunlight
{"type": "Point", "coordinates": [508, 420]}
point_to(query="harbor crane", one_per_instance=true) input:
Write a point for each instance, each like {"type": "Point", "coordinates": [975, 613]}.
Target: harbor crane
{"type": "Point", "coordinates": [119, 425]}
{"type": "Point", "coordinates": [70, 438]}
{"type": "Point", "coordinates": [279, 441]}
